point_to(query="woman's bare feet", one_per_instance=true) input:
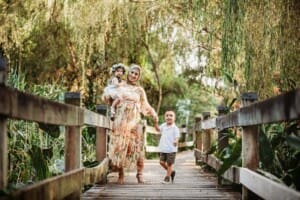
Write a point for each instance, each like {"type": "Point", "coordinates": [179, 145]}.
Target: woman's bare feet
{"type": "Point", "coordinates": [120, 180]}
{"type": "Point", "coordinates": [121, 176]}
{"type": "Point", "coordinates": [140, 178]}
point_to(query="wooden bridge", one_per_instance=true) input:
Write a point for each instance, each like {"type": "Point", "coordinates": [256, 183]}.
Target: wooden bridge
{"type": "Point", "coordinates": [191, 181]}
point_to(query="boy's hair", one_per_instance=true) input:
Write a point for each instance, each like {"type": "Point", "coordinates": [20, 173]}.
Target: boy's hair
{"type": "Point", "coordinates": [170, 109]}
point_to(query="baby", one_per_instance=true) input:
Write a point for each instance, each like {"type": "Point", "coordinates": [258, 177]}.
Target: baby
{"type": "Point", "coordinates": [117, 70]}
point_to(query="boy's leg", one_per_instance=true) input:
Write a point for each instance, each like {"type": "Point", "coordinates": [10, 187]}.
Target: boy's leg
{"type": "Point", "coordinates": [163, 163]}
{"type": "Point", "coordinates": [163, 160]}
{"type": "Point", "coordinates": [169, 169]}
{"type": "Point", "coordinates": [171, 161]}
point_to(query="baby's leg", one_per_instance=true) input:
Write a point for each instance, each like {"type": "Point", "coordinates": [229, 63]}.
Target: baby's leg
{"type": "Point", "coordinates": [115, 103]}
{"type": "Point", "coordinates": [113, 108]}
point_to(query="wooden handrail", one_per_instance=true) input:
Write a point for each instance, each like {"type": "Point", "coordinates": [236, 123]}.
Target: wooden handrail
{"type": "Point", "coordinates": [284, 107]}
{"type": "Point", "coordinates": [19, 105]}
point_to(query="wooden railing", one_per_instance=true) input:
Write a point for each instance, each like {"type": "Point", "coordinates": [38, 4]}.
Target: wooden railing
{"type": "Point", "coordinates": [284, 107]}
{"type": "Point", "coordinates": [18, 105]}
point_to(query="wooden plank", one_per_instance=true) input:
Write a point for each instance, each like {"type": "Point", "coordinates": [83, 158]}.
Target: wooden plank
{"type": "Point", "coordinates": [101, 144]}
{"type": "Point", "coordinates": [20, 105]}
{"type": "Point", "coordinates": [191, 182]}
{"type": "Point", "coordinates": [232, 174]}
{"type": "Point", "coordinates": [280, 108]}
{"type": "Point", "coordinates": [266, 188]}
{"type": "Point", "coordinates": [197, 154]}
{"type": "Point", "coordinates": [208, 124]}
{"type": "Point", "coordinates": [72, 148]}
{"type": "Point", "coordinates": [214, 162]}
{"type": "Point", "coordinates": [152, 130]}
{"type": "Point", "coordinates": [57, 187]}
{"type": "Point", "coordinates": [96, 174]}
{"type": "Point", "coordinates": [186, 144]}
{"type": "Point", "coordinates": [152, 149]}
{"type": "Point", "coordinates": [94, 119]}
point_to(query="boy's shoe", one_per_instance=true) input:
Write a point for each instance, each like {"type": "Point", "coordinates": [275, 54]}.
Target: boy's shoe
{"type": "Point", "coordinates": [166, 180]}
{"type": "Point", "coordinates": [173, 175]}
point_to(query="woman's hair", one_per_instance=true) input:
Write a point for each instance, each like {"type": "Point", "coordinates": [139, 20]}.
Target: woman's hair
{"type": "Point", "coordinates": [135, 66]}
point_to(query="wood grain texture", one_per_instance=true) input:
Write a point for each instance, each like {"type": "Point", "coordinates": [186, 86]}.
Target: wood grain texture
{"type": "Point", "coordinates": [191, 182]}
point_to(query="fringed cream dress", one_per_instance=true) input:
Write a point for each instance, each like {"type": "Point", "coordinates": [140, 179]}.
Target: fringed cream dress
{"type": "Point", "coordinates": [126, 144]}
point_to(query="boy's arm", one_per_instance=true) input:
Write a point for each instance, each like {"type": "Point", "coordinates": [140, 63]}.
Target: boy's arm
{"type": "Point", "coordinates": [177, 135]}
{"type": "Point", "coordinates": [176, 142]}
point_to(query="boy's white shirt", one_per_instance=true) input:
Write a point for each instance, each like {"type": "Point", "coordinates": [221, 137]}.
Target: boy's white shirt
{"type": "Point", "coordinates": [169, 133]}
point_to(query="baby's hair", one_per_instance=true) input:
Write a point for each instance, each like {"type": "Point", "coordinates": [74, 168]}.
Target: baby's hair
{"type": "Point", "coordinates": [117, 66]}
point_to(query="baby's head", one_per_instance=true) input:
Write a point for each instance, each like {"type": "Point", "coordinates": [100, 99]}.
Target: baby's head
{"type": "Point", "coordinates": [118, 69]}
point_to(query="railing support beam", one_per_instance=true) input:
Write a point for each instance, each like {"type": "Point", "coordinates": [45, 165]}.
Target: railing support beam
{"type": "Point", "coordinates": [250, 145]}
{"type": "Point", "coordinates": [101, 137]}
{"type": "Point", "coordinates": [72, 137]}
{"type": "Point", "coordinates": [3, 133]}
{"type": "Point", "coordinates": [206, 136]}
{"type": "Point", "coordinates": [3, 153]}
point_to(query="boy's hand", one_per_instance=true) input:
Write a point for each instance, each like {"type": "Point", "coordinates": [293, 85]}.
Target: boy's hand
{"type": "Point", "coordinates": [175, 143]}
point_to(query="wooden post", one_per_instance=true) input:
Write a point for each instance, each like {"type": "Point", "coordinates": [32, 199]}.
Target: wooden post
{"type": "Point", "coordinates": [197, 138]}
{"type": "Point", "coordinates": [72, 137]}
{"type": "Point", "coordinates": [3, 153]}
{"type": "Point", "coordinates": [101, 137]}
{"type": "Point", "coordinates": [198, 134]}
{"type": "Point", "coordinates": [250, 145]}
{"type": "Point", "coordinates": [206, 136]}
{"type": "Point", "coordinates": [3, 133]}
{"type": "Point", "coordinates": [222, 139]}
{"type": "Point", "coordinates": [2, 70]}
{"type": "Point", "coordinates": [183, 136]}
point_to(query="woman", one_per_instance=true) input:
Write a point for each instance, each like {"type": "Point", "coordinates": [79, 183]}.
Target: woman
{"type": "Point", "coordinates": [126, 145]}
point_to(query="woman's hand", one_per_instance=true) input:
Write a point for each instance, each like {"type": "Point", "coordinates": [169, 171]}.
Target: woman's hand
{"type": "Point", "coordinates": [156, 127]}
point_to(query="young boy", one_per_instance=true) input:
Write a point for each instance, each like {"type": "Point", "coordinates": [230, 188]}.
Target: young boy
{"type": "Point", "coordinates": [168, 145]}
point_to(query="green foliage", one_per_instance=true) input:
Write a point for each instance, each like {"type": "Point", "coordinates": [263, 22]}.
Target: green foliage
{"type": "Point", "coordinates": [279, 152]}
{"type": "Point", "coordinates": [32, 153]}
{"type": "Point", "coordinates": [230, 155]}
{"type": "Point", "coordinates": [88, 145]}
{"type": "Point", "coordinates": [39, 162]}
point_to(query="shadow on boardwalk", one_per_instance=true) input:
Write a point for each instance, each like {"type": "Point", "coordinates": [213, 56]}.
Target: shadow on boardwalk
{"type": "Point", "coordinates": [191, 182]}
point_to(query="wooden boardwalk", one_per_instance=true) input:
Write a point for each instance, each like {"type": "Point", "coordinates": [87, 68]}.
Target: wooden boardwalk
{"type": "Point", "coordinates": [191, 182]}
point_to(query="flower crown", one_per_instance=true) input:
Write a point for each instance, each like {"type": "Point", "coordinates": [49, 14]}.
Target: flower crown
{"type": "Point", "coordinates": [117, 66]}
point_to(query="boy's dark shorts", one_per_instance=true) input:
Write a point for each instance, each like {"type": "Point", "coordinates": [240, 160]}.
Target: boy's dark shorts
{"type": "Point", "coordinates": [168, 157]}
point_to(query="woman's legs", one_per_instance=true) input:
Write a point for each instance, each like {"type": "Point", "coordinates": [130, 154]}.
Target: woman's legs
{"type": "Point", "coordinates": [121, 176]}
{"type": "Point", "coordinates": [140, 168]}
